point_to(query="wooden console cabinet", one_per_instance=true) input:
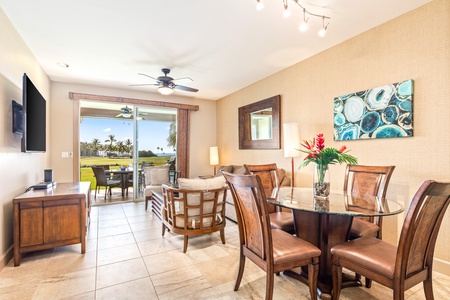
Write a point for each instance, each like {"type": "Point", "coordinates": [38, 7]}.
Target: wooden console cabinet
{"type": "Point", "coordinates": [51, 218]}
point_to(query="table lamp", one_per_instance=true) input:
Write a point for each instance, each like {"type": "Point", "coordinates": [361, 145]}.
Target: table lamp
{"type": "Point", "coordinates": [214, 157]}
{"type": "Point", "coordinates": [291, 143]}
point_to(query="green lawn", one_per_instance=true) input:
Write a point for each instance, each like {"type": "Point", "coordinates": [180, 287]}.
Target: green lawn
{"type": "Point", "coordinates": [86, 173]}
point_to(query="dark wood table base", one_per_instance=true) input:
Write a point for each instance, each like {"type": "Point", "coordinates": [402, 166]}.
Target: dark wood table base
{"type": "Point", "coordinates": [324, 284]}
{"type": "Point", "coordinates": [324, 231]}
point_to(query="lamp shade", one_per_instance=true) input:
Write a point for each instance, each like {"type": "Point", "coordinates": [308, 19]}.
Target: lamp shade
{"type": "Point", "coordinates": [291, 140]}
{"type": "Point", "coordinates": [213, 156]}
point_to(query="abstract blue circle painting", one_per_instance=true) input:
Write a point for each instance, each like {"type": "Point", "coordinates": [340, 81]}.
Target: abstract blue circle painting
{"type": "Point", "coordinates": [382, 112]}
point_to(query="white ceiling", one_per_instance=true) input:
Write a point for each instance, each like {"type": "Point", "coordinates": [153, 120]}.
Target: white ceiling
{"type": "Point", "coordinates": [223, 45]}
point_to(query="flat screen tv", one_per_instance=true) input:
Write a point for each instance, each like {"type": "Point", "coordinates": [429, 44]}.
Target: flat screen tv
{"type": "Point", "coordinates": [34, 118]}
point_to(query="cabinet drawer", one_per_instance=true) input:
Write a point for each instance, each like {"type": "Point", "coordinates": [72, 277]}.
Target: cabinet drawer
{"type": "Point", "coordinates": [61, 202]}
{"type": "Point", "coordinates": [34, 204]}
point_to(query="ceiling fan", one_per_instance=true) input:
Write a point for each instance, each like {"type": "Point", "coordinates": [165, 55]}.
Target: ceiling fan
{"type": "Point", "coordinates": [166, 83]}
{"type": "Point", "coordinates": [126, 112]}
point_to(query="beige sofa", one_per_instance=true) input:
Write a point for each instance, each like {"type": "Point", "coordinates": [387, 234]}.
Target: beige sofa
{"type": "Point", "coordinates": [230, 211]}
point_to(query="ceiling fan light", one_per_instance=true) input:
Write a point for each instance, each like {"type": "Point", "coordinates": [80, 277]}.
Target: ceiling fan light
{"type": "Point", "coordinates": [165, 90]}
{"type": "Point", "coordinates": [126, 115]}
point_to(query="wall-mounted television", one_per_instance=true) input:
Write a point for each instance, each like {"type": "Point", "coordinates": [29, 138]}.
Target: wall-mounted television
{"type": "Point", "coordinates": [17, 117]}
{"type": "Point", "coordinates": [34, 118]}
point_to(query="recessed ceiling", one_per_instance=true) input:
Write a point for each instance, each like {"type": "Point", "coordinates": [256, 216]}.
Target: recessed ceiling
{"type": "Point", "coordinates": [223, 45]}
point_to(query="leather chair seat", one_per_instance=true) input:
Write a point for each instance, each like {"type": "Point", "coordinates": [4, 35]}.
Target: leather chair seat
{"type": "Point", "coordinates": [288, 248]}
{"type": "Point", "coordinates": [362, 228]}
{"type": "Point", "coordinates": [370, 253]}
{"type": "Point", "coordinates": [283, 221]}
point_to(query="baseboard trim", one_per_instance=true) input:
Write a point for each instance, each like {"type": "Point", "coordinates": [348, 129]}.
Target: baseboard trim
{"type": "Point", "coordinates": [6, 257]}
{"type": "Point", "coordinates": [441, 266]}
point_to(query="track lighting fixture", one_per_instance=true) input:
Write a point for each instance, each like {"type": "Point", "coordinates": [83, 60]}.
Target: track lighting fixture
{"type": "Point", "coordinates": [323, 31]}
{"type": "Point", "coordinates": [306, 14]}
{"type": "Point", "coordinates": [259, 5]}
{"type": "Point", "coordinates": [286, 12]}
{"type": "Point", "coordinates": [304, 24]}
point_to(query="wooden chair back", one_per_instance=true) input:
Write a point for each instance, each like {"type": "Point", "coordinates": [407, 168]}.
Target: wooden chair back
{"type": "Point", "coordinates": [420, 230]}
{"type": "Point", "coordinates": [253, 216]}
{"type": "Point", "coordinates": [363, 180]}
{"type": "Point", "coordinates": [270, 179]}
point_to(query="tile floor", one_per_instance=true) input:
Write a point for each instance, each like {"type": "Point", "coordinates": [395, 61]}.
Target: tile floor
{"type": "Point", "coordinates": [127, 258]}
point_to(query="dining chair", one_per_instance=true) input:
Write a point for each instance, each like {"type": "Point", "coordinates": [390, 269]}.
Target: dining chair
{"type": "Point", "coordinates": [367, 180]}
{"type": "Point", "coordinates": [363, 180]}
{"type": "Point", "coordinates": [273, 250]}
{"type": "Point", "coordinates": [402, 267]}
{"type": "Point", "coordinates": [268, 173]}
{"type": "Point", "coordinates": [100, 177]}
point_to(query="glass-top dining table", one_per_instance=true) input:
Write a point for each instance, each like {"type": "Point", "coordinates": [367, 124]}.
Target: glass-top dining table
{"type": "Point", "coordinates": [326, 222]}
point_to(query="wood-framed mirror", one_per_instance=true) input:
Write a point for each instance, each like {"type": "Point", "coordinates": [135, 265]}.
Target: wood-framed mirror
{"type": "Point", "coordinates": [259, 124]}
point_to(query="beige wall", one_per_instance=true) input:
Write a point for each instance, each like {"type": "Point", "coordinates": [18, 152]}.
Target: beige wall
{"type": "Point", "coordinates": [414, 46]}
{"type": "Point", "coordinates": [20, 170]}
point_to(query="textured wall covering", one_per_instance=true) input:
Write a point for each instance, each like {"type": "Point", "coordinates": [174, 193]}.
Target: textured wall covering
{"type": "Point", "coordinates": [413, 46]}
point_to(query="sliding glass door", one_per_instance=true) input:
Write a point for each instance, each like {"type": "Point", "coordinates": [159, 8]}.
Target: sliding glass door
{"type": "Point", "coordinates": [155, 141]}
{"type": "Point", "coordinates": [126, 137]}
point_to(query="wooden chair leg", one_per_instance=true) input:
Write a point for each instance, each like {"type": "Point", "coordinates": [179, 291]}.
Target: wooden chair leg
{"type": "Point", "coordinates": [95, 195]}
{"type": "Point", "coordinates": [240, 270]}
{"type": "Point", "coordinates": [369, 283]}
{"type": "Point", "coordinates": [163, 229]}
{"type": "Point", "coordinates": [185, 243]}
{"type": "Point", "coordinates": [269, 285]}
{"type": "Point", "coordinates": [146, 203]}
{"type": "Point", "coordinates": [222, 235]}
{"type": "Point", "coordinates": [337, 281]}
{"type": "Point", "coordinates": [428, 287]}
{"type": "Point", "coordinates": [313, 274]}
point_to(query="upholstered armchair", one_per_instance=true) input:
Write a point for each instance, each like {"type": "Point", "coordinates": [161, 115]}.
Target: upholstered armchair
{"type": "Point", "coordinates": [195, 207]}
{"type": "Point", "coordinates": [154, 177]}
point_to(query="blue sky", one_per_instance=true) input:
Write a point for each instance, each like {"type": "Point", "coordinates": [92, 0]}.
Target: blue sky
{"type": "Point", "coordinates": [151, 134]}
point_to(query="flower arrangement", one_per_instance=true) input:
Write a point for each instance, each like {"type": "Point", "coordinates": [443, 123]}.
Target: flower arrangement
{"type": "Point", "coordinates": [322, 157]}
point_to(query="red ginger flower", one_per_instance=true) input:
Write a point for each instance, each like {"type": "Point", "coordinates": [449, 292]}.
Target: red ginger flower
{"type": "Point", "coordinates": [342, 149]}
{"type": "Point", "coordinates": [320, 142]}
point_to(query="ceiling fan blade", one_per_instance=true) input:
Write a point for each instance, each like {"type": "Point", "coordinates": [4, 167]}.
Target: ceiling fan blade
{"type": "Point", "coordinates": [184, 88]}
{"type": "Point", "coordinates": [144, 84]}
{"type": "Point", "coordinates": [183, 78]}
{"type": "Point", "coordinates": [119, 115]}
{"type": "Point", "coordinates": [148, 76]}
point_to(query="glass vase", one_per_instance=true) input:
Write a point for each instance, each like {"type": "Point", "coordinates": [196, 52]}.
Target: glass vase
{"type": "Point", "coordinates": [321, 183]}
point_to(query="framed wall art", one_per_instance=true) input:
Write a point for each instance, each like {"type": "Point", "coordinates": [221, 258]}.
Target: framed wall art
{"type": "Point", "coordinates": [382, 112]}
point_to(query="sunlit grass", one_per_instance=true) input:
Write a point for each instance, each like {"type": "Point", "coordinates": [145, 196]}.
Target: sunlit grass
{"type": "Point", "coordinates": [86, 173]}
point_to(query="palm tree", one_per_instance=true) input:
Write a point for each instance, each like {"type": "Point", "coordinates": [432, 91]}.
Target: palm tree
{"type": "Point", "coordinates": [84, 149]}
{"type": "Point", "coordinates": [120, 146]}
{"type": "Point", "coordinates": [112, 139]}
{"type": "Point", "coordinates": [129, 146]}
{"type": "Point", "coordinates": [95, 145]}
{"type": "Point", "coordinates": [157, 148]}
{"type": "Point", "coordinates": [172, 139]}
